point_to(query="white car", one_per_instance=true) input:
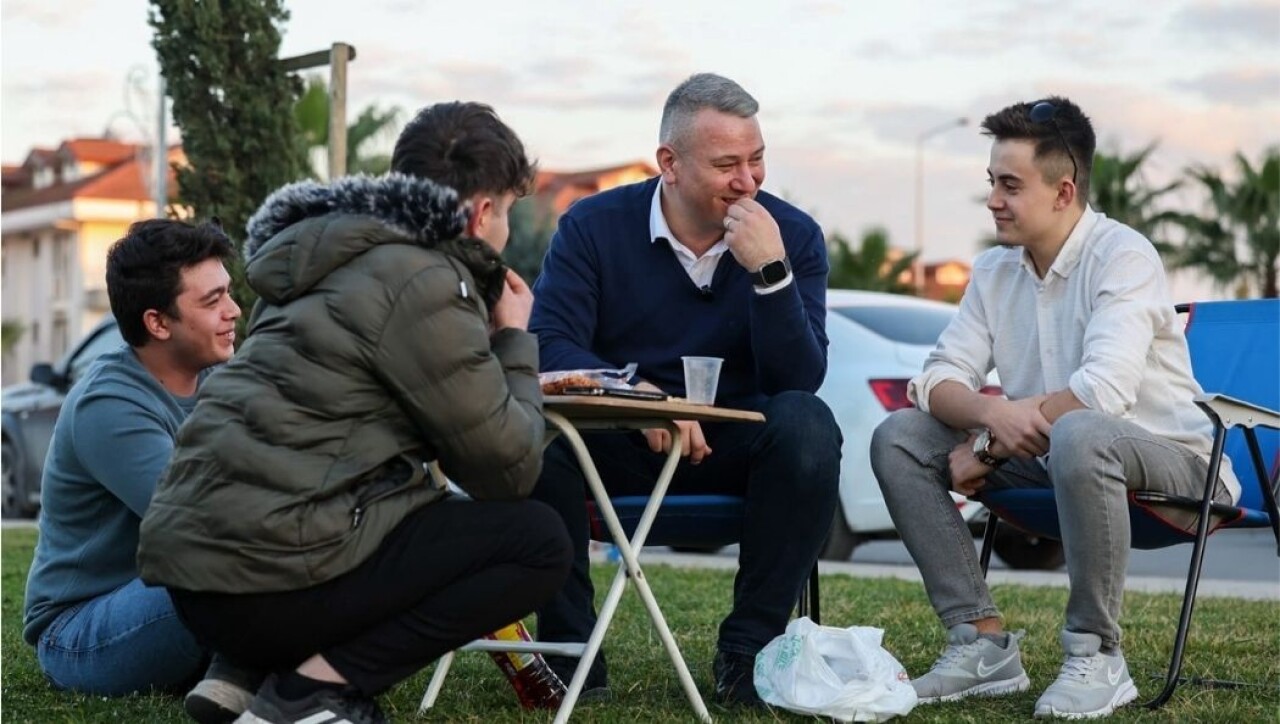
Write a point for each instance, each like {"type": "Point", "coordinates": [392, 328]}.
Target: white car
{"type": "Point", "coordinates": [878, 343]}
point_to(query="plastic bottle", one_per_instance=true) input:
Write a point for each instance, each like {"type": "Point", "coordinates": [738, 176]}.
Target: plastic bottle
{"type": "Point", "coordinates": [536, 685]}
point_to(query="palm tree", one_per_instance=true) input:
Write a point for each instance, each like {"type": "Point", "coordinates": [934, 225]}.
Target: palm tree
{"type": "Point", "coordinates": [869, 267]}
{"type": "Point", "coordinates": [1119, 189]}
{"type": "Point", "coordinates": [1237, 241]}
{"type": "Point", "coordinates": [373, 123]}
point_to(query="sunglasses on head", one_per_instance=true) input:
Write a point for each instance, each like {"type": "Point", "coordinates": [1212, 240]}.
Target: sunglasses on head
{"type": "Point", "coordinates": [1045, 112]}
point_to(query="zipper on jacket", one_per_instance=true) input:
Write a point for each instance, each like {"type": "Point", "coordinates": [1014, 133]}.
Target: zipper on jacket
{"type": "Point", "coordinates": [379, 490]}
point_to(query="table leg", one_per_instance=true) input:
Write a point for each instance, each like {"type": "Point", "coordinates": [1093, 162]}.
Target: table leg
{"type": "Point", "coordinates": [630, 565]}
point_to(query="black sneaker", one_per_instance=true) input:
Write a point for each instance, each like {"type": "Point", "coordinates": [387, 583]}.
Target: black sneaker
{"type": "Point", "coordinates": [223, 694]}
{"type": "Point", "coordinates": [330, 705]}
{"type": "Point", "coordinates": [735, 679]}
{"type": "Point", "coordinates": [596, 687]}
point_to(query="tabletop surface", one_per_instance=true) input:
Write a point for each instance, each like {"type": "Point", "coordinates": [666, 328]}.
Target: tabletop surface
{"type": "Point", "coordinates": [584, 408]}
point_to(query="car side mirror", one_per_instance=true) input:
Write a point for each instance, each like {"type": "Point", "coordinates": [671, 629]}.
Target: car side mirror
{"type": "Point", "coordinates": [42, 373]}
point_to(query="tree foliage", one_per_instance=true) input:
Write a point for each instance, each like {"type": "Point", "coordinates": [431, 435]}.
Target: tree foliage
{"type": "Point", "coordinates": [531, 230]}
{"type": "Point", "coordinates": [233, 102]}
{"type": "Point", "coordinates": [1236, 241]}
{"type": "Point", "coordinates": [371, 125]}
{"type": "Point", "coordinates": [10, 332]}
{"type": "Point", "coordinates": [1119, 188]}
{"type": "Point", "coordinates": [869, 266]}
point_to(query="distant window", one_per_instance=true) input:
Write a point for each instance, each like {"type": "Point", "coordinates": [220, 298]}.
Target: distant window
{"type": "Point", "coordinates": [907, 325]}
{"type": "Point", "coordinates": [59, 334]}
{"type": "Point", "coordinates": [60, 271]}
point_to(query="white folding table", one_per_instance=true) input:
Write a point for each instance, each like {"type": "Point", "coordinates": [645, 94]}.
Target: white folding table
{"type": "Point", "coordinates": [570, 415]}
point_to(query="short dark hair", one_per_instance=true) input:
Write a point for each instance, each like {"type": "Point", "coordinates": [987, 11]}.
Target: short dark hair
{"type": "Point", "coordinates": [1014, 123]}
{"type": "Point", "coordinates": [144, 269]}
{"type": "Point", "coordinates": [465, 146]}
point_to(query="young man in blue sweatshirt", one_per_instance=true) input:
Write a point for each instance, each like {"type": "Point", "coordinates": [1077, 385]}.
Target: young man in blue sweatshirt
{"type": "Point", "coordinates": [96, 627]}
{"type": "Point", "coordinates": [700, 262]}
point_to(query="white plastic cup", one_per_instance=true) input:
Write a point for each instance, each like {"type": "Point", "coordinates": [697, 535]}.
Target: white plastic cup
{"type": "Point", "coordinates": [701, 377]}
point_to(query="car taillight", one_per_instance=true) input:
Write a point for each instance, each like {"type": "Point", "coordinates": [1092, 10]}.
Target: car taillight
{"type": "Point", "coordinates": [892, 394]}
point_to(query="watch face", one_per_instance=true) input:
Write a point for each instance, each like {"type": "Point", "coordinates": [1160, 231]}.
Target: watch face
{"type": "Point", "coordinates": [983, 442]}
{"type": "Point", "coordinates": [772, 273]}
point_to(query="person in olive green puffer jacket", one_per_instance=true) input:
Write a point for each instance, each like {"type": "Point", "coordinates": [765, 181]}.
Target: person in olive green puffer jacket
{"type": "Point", "coordinates": [296, 526]}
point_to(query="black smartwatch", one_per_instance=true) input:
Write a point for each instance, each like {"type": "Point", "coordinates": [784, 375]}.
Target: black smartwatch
{"type": "Point", "coordinates": [771, 273]}
{"type": "Point", "coordinates": [982, 450]}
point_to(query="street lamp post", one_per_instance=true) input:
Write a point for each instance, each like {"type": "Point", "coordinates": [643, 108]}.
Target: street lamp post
{"type": "Point", "coordinates": [918, 266]}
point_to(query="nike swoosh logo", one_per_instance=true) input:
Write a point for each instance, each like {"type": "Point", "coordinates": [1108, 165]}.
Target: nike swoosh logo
{"type": "Point", "coordinates": [1113, 676]}
{"type": "Point", "coordinates": [984, 671]}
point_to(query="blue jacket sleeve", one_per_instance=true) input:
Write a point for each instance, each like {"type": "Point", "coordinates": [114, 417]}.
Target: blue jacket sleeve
{"type": "Point", "coordinates": [123, 445]}
{"type": "Point", "coordinates": [566, 300]}
{"type": "Point", "coordinates": [788, 327]}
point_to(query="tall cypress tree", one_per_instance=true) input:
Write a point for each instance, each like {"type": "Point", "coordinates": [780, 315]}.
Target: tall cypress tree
{"type": "Point", "coordinates": [233, 104]}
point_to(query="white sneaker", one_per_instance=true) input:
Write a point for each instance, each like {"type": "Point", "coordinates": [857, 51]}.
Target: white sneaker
{"type": "Point", "coordinates": [973, 666]}
{"type": "Point", "coordinates": [1091, 684]}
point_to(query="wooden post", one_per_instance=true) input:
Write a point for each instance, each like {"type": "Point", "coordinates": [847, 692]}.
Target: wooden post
{"type": "Point", "coordinates": [339, 54]}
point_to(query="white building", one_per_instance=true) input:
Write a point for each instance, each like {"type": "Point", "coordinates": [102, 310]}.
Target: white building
{"type": "Point", "coordinates": [59, 212]}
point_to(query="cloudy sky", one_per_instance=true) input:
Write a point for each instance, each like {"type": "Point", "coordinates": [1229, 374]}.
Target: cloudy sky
{"type": "Point", "coordinates": [846, 88]}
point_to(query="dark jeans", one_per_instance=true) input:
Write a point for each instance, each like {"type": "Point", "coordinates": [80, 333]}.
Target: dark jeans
{"type": "Point", "coordinates": [788, 469]}
{"type": "Point", "coordinates": [450, 573]}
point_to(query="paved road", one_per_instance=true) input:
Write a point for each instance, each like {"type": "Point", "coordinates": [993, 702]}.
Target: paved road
{"type": "Point", "coordinates": [1243, 555]}
{"type": "Point", "coordinates": [1237, 564]}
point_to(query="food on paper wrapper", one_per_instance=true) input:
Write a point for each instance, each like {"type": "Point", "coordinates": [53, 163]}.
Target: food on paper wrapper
{"type": "Point", "coordinates": [558, 385]}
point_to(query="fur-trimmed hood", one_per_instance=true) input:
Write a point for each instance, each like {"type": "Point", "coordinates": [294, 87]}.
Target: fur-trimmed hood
{"type": "Point", "coordinates": [302, 231]}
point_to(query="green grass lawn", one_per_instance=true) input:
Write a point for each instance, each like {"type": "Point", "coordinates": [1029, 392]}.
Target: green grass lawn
{"type": "Point", "coordinates": [1230, 639]}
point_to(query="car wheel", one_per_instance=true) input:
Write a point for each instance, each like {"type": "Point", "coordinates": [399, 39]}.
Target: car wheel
{"type": "Point", "coordinates": [840, 540]}
{"type": "Point", "coordinates": [14, 501]}
{"type": "Point", "coordinates": [1023, 551]}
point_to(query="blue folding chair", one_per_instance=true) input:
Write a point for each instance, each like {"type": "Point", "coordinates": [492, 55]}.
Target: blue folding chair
{"type": "Point", "coordinates": [1235, 354]}
{"type": "Point", "coordinates": [694, 521]}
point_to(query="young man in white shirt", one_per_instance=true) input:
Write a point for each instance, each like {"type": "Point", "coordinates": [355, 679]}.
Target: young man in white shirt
{"type": "Point", "coordinates": [1074, 313]}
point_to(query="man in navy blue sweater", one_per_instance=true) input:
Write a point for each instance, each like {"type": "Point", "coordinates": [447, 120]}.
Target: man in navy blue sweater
{"type": "Point", "coordinates": [699, 261]}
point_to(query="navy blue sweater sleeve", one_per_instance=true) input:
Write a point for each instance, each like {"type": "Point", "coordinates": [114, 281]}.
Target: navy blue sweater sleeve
{"type": "Point", "coordinates": [788, 327]}
{"type": "Point", "coordinates": [566, 301]}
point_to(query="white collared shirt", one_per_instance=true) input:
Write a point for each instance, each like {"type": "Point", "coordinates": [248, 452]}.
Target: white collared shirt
{"type": "Point", "coordinates": [1099, 323]}
{"type": "Point", "coordinates": [701, 269]}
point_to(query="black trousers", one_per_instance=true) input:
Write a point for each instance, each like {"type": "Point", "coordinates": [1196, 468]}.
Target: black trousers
{"type": "Point", "coordinates": [788, 469]}
{"type": "Point", "coordinates": [449, 573]}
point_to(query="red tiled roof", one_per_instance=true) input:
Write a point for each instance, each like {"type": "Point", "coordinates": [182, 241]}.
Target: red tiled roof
{"type": "Point", "coordinates": [547, 179]}
{"type": "Point", "coordinates": [123, 181]}
{"type": "Point", "coordinates": [99, 150]}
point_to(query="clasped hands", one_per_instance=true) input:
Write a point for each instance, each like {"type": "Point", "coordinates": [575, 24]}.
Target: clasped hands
{"type": "Point", "coordinates": [1019, 430]}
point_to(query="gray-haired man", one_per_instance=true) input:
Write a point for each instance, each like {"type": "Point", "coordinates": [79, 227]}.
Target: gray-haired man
{"type": "Point", "coordinates": [700, 262]}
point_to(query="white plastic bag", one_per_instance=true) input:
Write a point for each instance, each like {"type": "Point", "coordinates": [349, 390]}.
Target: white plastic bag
{"type": "Point", "coordinates": [842, 673]}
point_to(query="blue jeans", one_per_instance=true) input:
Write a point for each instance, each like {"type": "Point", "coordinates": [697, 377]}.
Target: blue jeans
{"type": "Point", "coordinates": [129, 640]}
{"type": "Point", "coordinates": [787, 468]}
{"type": "Point", "coordinates": [1095, 460]}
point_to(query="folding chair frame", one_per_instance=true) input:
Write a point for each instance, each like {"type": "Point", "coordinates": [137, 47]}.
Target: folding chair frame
{"type": "Point", "coordinates": [1226, 413]}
